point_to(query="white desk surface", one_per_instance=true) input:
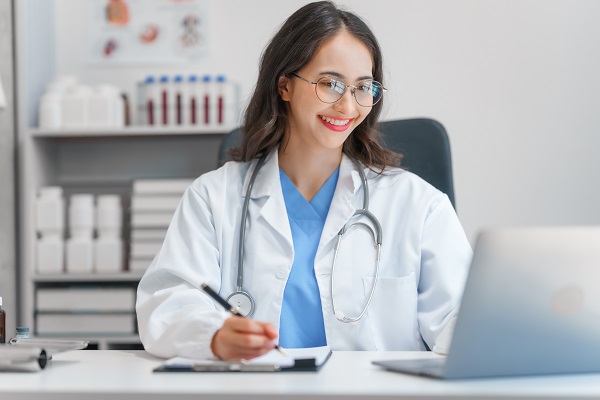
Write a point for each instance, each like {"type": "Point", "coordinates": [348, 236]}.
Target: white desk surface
{"type": "Point", "coordinates": [116, 374]}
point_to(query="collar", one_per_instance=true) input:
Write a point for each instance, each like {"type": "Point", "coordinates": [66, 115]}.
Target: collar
{"type": "Point", "coordinates": [268, 176]}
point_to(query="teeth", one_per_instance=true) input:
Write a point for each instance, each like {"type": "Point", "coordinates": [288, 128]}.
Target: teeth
{"type": "Point", "coordinates": [338, 122]}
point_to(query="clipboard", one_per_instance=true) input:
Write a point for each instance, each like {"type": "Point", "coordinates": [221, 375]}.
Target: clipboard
{"type": "Point", "coordinates": [310, 359]}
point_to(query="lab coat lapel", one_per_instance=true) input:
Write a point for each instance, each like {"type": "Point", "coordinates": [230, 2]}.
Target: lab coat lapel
{"type": "Point", "coordinates": [268, 196]}
{"type": "Point", "coordinates": [342, 206]}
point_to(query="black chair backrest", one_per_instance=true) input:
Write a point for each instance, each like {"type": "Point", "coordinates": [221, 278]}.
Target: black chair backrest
{"type": "Point", "coordinates": [423, 143]}
{"type": "Point", "coordinates": [426, 149]}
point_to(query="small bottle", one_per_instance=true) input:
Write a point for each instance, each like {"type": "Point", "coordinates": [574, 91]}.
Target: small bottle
{"type": "Point", "coordinates": [101, 107]}
{"type": "Point", "coordinates": [126, 107]}
{"type": "Point", "coordinates": [220, 106]}
{"type": "Point", "coordinates": [206, 99]}
{"type": "Point", "coordinates": [50, 111]}
{"type": "Point", "coordinates": [81, 225]}
{"type": "Point", "coordinates": [22, 333]}
{"type": "Point", "coordinates": [178, 99]}
{"type": "Point", "coordinates": [2, 323]}
{"type": "Point", "coordinates": [150, 91]}
{"type": "Point", "coordinates": [75, 108]}
{"type": "Point", "coordinates": [50, 220]}
{"type": "Point", "coordinates": [165, 104]}
{"type": "Point", "coordinates": [108, 247]}
{"type": "Point", "coordinates": [193, 93]}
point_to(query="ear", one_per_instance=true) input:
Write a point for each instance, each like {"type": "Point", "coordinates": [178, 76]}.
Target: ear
{"type": "Point", "coordinates": [283, 87]}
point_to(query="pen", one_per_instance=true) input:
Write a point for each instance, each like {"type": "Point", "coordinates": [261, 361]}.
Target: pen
{"type": "Point", "coordinates": [225, 304]}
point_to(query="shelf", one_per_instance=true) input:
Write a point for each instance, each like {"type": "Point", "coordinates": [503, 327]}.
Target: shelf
{"type": "Point", "coordinates": [102, 342]}
{"type": "Point", "coordinates": [130, 131]}
{"type": "Point", "coordinates": [120, 277]}
{"type": "Point", "coordinates": [95, 338]}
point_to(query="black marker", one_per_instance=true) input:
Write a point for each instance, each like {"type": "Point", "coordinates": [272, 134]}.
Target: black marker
{"type": "Point", "coordinates": [225, 304]}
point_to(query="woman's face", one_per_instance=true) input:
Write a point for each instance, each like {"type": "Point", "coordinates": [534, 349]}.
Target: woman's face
{"type": "Point", "coordinates": [313, 123]}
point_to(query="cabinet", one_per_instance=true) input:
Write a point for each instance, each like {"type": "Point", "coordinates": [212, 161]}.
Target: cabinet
{"type": "Point", "coordinates": [99, 162]}
{"type": "Point", "coordinates": [89, 161]}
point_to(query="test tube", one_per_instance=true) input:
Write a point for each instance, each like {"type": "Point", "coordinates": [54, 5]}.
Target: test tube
{"type": "Point", "coordinates": [164, 95]}
{"type": "Point", "coordinates": [193, 95]}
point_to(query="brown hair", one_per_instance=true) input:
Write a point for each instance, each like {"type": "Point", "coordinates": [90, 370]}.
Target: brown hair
{"type": "Point", "coordinates": [293, 47]}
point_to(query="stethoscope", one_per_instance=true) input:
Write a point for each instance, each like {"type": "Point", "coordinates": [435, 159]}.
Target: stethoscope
{"type": "Point", "coordinates": [244, 302]}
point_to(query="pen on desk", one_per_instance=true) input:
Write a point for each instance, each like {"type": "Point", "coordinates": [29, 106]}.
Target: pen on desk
{"type": "Point", "coordinates": [225, 304]}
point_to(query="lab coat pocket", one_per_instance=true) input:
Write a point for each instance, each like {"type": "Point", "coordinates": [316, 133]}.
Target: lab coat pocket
{"type": "Point", "coordinates": [393, 313]}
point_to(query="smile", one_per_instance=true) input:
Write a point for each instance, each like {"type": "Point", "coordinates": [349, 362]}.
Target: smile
{"type": "Point", "coordinates": [337, 122]}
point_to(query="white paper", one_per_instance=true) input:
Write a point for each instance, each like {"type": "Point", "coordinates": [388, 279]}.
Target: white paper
{"type": "Point", "coordinates": [273, 357]}
{"type": "Point", "coordinates": [2, 96]}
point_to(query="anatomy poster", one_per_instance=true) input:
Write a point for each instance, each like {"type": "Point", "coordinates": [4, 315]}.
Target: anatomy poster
{"type": "Point", "coordinates": [147, 31]}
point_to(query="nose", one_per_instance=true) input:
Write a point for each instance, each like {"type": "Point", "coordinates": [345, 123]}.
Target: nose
{"type": "Point", "coordinates": [346, 104]}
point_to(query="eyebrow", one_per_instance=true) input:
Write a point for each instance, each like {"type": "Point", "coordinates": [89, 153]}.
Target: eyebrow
{"type": "Point", "coordinates": [338, 75]}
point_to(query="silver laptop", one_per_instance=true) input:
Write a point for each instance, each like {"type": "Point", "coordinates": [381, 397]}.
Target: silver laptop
{"type": "Point", "coordinates": [531, 306]}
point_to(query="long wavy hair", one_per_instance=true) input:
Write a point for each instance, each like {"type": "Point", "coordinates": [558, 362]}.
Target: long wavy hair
{"type": "Point", "coordinates": [293, 46]}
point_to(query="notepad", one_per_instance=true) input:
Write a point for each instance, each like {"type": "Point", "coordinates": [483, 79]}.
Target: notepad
{"type": "Point", "coordinates": [308, 359]}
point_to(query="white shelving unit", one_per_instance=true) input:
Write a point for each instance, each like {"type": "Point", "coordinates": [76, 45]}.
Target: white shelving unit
{"type": "Point", "coordinates": [86, 161]}
{"type": "Point", "coordinates": [100, 162]}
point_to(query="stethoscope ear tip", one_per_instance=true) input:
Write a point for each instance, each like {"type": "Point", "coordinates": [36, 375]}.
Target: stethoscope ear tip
{"type": "Point", "coordinates": [340, 316]}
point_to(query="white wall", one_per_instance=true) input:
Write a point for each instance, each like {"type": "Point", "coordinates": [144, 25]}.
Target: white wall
{"type": "Point", "coordinates": [515, 83]}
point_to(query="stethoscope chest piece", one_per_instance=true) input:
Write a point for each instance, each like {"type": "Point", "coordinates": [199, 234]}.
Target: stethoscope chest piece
{"type": "Point", "coordinates": [242, 302]}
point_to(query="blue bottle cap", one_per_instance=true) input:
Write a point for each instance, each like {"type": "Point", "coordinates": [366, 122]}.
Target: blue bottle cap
{"type": "Point", "coordinates": [164, 79]}
{"type": "Point", "coordinates": [22, 332]}
{"type": "Point", "coordinates": [178, 78]}
{"type": "Point", "coordinates": [206, 78]}
{"type": "Point", "coordinates": [193, 78]}
{"type": "Point", "coordinates": [149, 79]}
{"type": "Point", "coordinates": [220, 78]}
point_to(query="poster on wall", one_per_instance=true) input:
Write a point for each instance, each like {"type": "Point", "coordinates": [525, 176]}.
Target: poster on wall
{"type": "Point", "coordinates": [147, 31]}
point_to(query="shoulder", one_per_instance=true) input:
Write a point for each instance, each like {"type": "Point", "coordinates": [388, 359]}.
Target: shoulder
{"type": "Point", "coordinates": [403, 186]}
{"type": "Point", "coordinates": [394, 177]}
{"type": "Point", "coordinates": [230, 175]}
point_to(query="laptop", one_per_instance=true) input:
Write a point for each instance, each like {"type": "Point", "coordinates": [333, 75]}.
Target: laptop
{"type": "Point", "coordinates": [531, 306]}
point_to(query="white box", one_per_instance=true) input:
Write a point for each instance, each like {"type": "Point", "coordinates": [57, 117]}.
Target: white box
{"type": "Point", "coordinates": [145, 250]}
{"type": "Point", "coordinates": [50, 256]}
{"type": "Point", "coordinates": [80, 256]}
{"type": "Point", "coordinates": [140, 264]}
{"type": "Point", "coordinates": [108, 255]}
{"type": "Point", "coordinates": [140, 235]}
{"type": "Point", "coordinates": [151, 220]}
{"type": "Point", "coordinates": [161, 186]}
{"type": "Point", "coordinates": [155, 203]}
{"type": "Point", "coordinates": [85, 324]}
{"type": "Point", "coordinates": [95, 299]}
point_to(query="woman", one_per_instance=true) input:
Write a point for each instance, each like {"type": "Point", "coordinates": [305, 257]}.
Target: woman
{"type": "Point", "coordinates": [311, 127]}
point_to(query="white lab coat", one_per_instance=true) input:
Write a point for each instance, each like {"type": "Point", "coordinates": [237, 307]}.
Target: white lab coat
{"type": "Point", "coordinates": [424, 262]}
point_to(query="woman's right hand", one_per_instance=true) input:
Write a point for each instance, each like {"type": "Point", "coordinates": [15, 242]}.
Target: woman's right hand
{"type": "Point", "coordinates": [243, 338]}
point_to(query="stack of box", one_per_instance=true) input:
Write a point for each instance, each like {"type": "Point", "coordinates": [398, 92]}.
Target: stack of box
{"type": "Point", "coordinates": [153, 204]}
{"type": "Point", "coordinates": [85, 310]}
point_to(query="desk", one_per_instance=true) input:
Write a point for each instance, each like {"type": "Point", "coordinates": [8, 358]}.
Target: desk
{"type": "Point", "coordinates": [117, 375]}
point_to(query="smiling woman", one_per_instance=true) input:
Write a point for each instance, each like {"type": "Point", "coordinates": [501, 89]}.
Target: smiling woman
{"type": "Point", "coordinates": [309, 171]}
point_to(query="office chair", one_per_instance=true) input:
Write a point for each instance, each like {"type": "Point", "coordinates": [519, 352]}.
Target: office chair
{"type": "Point", "coordinates": [423, 143]}
{"type": "Point", "coordinates": [426, 149]}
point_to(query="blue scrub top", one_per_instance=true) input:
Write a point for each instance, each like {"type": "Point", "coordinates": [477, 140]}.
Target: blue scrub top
{"type": "Point", "coordinates": [301, 321]}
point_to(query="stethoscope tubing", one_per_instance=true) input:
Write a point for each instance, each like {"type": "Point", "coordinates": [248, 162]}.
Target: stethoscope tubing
{"type": "Point", "coordinates": [375, 233]}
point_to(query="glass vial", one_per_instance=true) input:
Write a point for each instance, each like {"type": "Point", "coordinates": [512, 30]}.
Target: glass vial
{"type": "Point", "coordinates": [22, 333]}
{"type": "Point", "coordinates": [2, 323]}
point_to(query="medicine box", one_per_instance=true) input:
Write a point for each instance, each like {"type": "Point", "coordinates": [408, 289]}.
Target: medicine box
{"type": "Point", "coordinates": [85, 299]}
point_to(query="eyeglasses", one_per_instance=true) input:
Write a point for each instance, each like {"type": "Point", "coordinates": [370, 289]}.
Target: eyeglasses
{"type": "Point", "coordinates": [366, 93]}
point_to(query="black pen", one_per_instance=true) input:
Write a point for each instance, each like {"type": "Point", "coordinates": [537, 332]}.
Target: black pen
{"type": "Point", "coordinates": [225, 304]}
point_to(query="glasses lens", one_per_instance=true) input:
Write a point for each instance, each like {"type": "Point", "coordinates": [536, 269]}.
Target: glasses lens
{"type": "Point", "coordinates": [330, 90]}
{"type": "Point", "coordinates": [368, 93]}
